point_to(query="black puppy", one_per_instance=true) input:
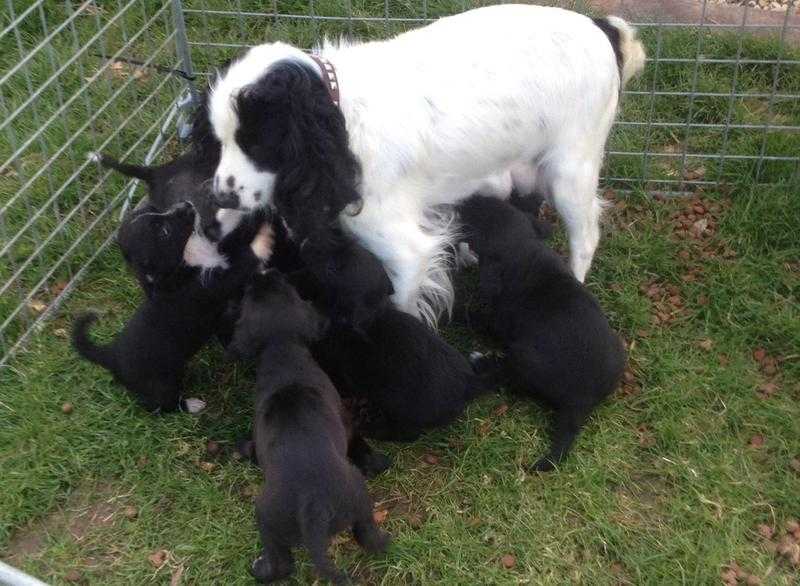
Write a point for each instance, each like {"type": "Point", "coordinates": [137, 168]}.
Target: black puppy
{"type": "Point", "coordinates": [182, 312]}
{"type": "Point", "coordinates": [346, 281]}
{"type": "Point", "coordinates": [409, 378]}
{"type": "Point", "coordinates": [312, 491]}
{"type": "Point", "coordinates": [558, 344]}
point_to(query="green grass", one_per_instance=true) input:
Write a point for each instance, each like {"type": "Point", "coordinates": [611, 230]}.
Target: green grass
{"type": "Point", "coordinates": [663, 487]}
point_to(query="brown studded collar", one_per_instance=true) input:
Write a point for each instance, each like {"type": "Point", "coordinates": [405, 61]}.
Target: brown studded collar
{"type": "Point", "coordinates": [328, 77]}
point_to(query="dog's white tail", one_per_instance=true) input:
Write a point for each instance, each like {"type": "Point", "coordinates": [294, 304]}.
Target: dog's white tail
{"type": "Point", "coordinates": [630, 47]}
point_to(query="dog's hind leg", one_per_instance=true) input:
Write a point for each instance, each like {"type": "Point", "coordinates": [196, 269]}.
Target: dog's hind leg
{"type": "Point", "coordinates": [572, 185]}
{"type": "Point", "coordinates": [370, 462]}
{"type": "Point", "coordinates": [276, 561]}
{"type": "Point", "coordinates": [365, 530]}
{"type": "Point", "coordinates": [314, 527]}
{"type": "Point", "coordinates": [566, 427]}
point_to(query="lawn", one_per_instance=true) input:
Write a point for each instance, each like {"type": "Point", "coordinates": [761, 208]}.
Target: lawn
{"type": "Point", "coordinates": [692, 466]}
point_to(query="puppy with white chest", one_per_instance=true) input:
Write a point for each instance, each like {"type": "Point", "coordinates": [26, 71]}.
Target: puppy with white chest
{"type": "Point", "coordinates": [559, 347]}
{"type": "Point", "coordinates": [183, 309]}
{"type": "Point", "coordinates": [312, 491]}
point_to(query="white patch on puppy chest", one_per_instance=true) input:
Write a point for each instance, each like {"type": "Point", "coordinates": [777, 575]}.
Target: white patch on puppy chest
{"type": "Point", "coordinates": [201, 252]}
{"type": "Point", "coordinates": [263, 242]}
{"type": "Point", "coordinates": [194, 405]}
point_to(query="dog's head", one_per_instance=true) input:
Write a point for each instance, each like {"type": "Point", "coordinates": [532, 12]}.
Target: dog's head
{"type": "Point", "coordinates": [270, 309]}
{"type": "Point", "coordinates": [284, 142]}
{"type": "Point", "coordinates": [491, 224]}
{"type": "Point", "coordinates": [152, 242]}
{"type": "Point", "coordinates": [346, 280]}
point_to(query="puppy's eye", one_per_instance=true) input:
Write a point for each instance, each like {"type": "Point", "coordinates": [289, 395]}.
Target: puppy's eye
{"type": "Point", "coordinates": [165, 231]}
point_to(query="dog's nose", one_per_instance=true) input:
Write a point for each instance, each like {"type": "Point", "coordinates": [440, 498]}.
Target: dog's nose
{"type": "Point", "coordinates": [227, 199]}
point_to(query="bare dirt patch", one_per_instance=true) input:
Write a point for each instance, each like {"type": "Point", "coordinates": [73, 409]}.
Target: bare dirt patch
{"type": "Point", "coordinates": [87, 510]}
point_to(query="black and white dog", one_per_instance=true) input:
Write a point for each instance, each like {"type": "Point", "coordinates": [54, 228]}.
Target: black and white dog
{"type": "Point", "coordinates": [559, 347]}
{"type": "Point", "coordinates": [496, 97]}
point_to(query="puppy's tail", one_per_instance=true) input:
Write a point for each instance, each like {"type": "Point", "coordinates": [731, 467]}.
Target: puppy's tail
{"type": "Point", "coordinates": [627, 47]}
{"type": "Point", "coordinates": [85, 347]}
{"type": "Point", "coordinates": [136, 171]}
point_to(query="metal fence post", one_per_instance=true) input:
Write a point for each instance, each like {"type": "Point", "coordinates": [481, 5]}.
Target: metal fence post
{"type": "Point", "coordinates": [182, 47]}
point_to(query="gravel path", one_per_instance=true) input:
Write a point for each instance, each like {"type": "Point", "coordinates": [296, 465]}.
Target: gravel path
{"type": "Point", "coordinates": [776, 5]}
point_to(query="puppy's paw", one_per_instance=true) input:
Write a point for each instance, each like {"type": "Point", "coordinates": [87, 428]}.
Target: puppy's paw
{"type": "Point", "coordinates": [465, 257]}
{"type": "Point", "coordinates": [263, 242]}
{"type": "Point", "coordinates": [543, 465]}
{"type": "Point", "coordinates": [374, 464]}
{"type": "Point", "coordinates": [260, 569]}
{"type": "Point", "coordinates": [246, 448]}
{"type": "Point", "coordinates": [378, 542]}
{"type": "Point", "coordinates": [193, 405]}
{"type": "Point", "coordinates": [475, 357]}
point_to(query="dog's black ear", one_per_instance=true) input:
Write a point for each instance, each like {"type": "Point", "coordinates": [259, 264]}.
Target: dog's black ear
{"type": "Point", "coordinates": [318, 176]}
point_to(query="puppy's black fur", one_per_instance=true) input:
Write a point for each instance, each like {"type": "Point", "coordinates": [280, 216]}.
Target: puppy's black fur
{"type": "Point", "coordinates": [152, 243]}
{"type": "Point", "coordinates": [289, 125]}
{"type": "Point", "coordinates": [182, 312]}
{"type": "Point", "coordinates": [345, 280]}
{"type": "Point", "coordinates": [186, 178]}
{"type": "Point", "coordinates": [532, 205]}
{"type": "Point", "coordinates": [312, 492]}
{"type": "Point", "coordinates": [559, 347]}
{"type": "Point", "coordinates": [410, 378]}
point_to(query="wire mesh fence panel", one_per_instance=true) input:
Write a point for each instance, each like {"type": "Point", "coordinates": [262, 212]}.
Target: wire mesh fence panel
{"type": "Point", "coordinates": [718, 103]}
{"type": "Point", "coordinates": [65, 91]}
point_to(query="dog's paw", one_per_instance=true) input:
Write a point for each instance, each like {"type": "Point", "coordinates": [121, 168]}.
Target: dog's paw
{"type": "Point", "coordinates": [378, 542]}
{"type": "Point", "coordinates": [246, 448]}
{"type": "Point", "coordinates": [465, 257]}
{"type": "Point", "coordinates": [263, 242]}
{"type": "Point", "coordinates": [262, 570]}
{"type": "Point", "coordinates": [193, 405]}
{"type": "Point", "coordinates": [374, 464]}
{"type": "Point", "coordinates": [476, 356]}
{"type": "Point", "coordinates": [543, 465]}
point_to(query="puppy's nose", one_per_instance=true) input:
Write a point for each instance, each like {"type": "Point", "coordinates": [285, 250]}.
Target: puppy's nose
{"type": "Point", "coordinates": [227, 199]}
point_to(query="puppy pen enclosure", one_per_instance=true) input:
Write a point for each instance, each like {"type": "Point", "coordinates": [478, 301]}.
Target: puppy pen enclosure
{"type": "Point", "coordinates": [718, 104]}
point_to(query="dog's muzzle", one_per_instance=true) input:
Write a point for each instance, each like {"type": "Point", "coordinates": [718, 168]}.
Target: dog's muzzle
{"type": "Point", "coordinates": [227, 199]}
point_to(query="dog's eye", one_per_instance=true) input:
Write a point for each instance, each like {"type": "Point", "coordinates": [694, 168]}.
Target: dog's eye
{"type": "Point", "coordinates": [165, 231]}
